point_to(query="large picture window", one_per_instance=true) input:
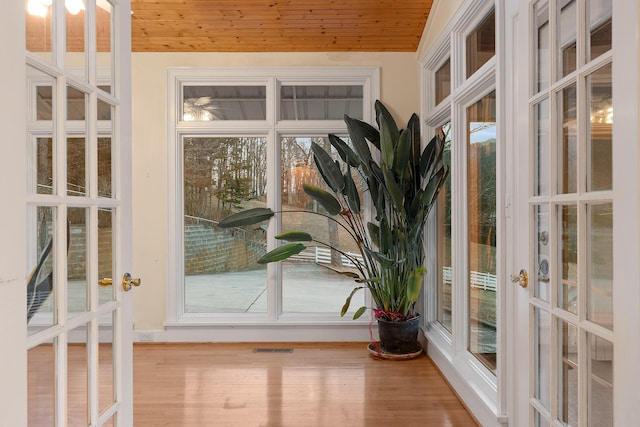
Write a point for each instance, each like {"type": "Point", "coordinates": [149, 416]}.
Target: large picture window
{"type": "Point", "coordinates": [244, 141]}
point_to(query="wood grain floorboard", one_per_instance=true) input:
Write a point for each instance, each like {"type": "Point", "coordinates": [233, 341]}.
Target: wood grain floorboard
{"type": "Point", "coordinates": [202, 385]}
{"type": "Point", "coordinates": [325, 384]}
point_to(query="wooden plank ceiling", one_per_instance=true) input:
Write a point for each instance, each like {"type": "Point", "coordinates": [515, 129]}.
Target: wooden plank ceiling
{"type": "Point", "coordinates": [278, 25]}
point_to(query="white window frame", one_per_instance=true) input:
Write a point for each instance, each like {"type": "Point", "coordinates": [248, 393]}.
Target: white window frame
{"type": "Point", "coordinates": [482, 391]}
{"type": "Point", "coordinates": [252, 325]}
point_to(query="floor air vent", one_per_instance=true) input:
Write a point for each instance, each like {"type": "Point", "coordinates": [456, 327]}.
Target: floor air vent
{"type": "Point", "coordinates": [273, 350]}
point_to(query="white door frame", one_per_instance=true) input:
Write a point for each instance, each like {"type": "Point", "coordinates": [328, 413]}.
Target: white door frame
{"type": "Point", "coordinates": [13, 332]}
{"type": "Point", "coordinates": [13, 253]}
{"type": "Point", "coordinates": [626, 228]}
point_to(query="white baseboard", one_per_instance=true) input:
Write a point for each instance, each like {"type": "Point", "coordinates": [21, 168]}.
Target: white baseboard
{"type": "Point", "coordinates": [257, 333]}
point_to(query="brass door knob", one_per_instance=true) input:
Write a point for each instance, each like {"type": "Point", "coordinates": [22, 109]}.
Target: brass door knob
{"type": "Point", "coordinates": [521, 279]}
{"type": "Point", "coordinates": [127, 282]}
{"type": "Point", "coordinates": [107, 281]}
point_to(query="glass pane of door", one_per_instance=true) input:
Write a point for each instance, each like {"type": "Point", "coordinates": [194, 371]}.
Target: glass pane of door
{"type": "Point", "coordinates": [76, 210]}
{"type": "Point", "coordinates": [571, 222]}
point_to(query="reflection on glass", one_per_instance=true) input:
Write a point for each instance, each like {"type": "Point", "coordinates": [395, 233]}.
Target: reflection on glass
{"type": "Point", "coordinates": [44, 166]}
{"type": "Point", "coordinates": [481, 44]}
{"type": "Point", "coordinates": [76, 167]}
{"type": "Point", "coordinates": [206, 103]}
{"type": "Point", "coordinates": [223, 175]}
{"type": "Point", "coordinates": [38, 29]}
{"type": "Point", "coordinates": [568, 375]}
{"type": "Point", "coordinates": [542, 57]}
{"type": "Point", "coordinates": [542, 254]}
{"type": "Point", "coordinates": [600, 391]}
{"type": "Point", "coordinates": [44, 95]}
{"type": "Point", "coordinates": [542, 148]}
{"type": "Point", "coordinates": [40, 296]}
{"type": "Point", "coordinates": [600, 27]}
{"type": "Point", "coordinates": [600, 274]}
{"type": "Point", "coordinates": [307, 286]}
{"type": "Point", "coordinates": [481, 203]}
{"type": "Point", "coordinates": [41, 385]}
{"type": "Point", "coordinates": [77, 295]}
{"type": "Point", "coordinates": [105, 167]}
{"type": "Point", "coordinates": [542, 354]}
{"type": "Point", "coordinates": [106, 367]}
{"type": "Point", "coordinates": [104, 108]}
{"type": "Point", "coordinates": [539, 420]}
{"type": "Point", "coordinates": [328, 102]}
{"type": "Point", "coordinates": [104, 27]}
{"type": "Point", "coordinates": [568, 155]}
{"type": "Point", "coordinates": [599, 170]}
{"type": "Point", "coordinates": [77, 378]}
{"type": "Point", "coordinates": [443, 81]}
{"type": "Point", "coordinates": [568, 251]}
{"type": "Point", "coordinates": [443, 209]}
{"type": "Point", "coordinates": [76, 57]}
{"type": "Point", "coordinates": [106, 248]}
{"type": "Point", "coordinates": [76, 104]}
{"type": "Point", "coordinates": [567, 32]}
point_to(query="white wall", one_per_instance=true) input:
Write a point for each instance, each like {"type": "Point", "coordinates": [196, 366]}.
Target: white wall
{"type": "Point", "coordinates": [441, 13]}
{"type": "Point", "coordinates": [400, 91]}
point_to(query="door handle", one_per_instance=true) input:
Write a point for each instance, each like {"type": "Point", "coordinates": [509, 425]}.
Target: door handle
{"type": "Point", "coordinates": [127, 282]}
{"type": "Point", "coordinates": [521, 279]}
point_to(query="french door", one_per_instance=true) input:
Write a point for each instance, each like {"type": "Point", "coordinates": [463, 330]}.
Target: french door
{"type": "Point", "coordinates": [569, 361]}
{"type": "Point", "coordinates": [73, 170]}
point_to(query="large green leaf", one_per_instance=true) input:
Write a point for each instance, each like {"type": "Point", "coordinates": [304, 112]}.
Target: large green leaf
{"type": "Point", "coordinates": [329, 169]}
{"type": "Point", "coordinates": [394, 189]}
{"type": "Point", "coordinates": [246, 217]}
{"type": "Point", "coordinates": [433, 187]}
{"type": "Point", "coordinates": [359, 312]}
{"type": "Point", "coordinates": [374, 233]}
{"type": "Point", "coordinates": [295, 236]}
{"type": "Point", "coordinates": [370, 133]}
{"type": "Point", "coordinates": [431, 158]}
{"type": "Point", "coordinates": [351, 192]}
{"type": "Point", "coordinates": [345, 152]}
{"type": "Point", "coordinates": [403, 152]}
{"type": "Point", "coordinates": [386, 238]}
{"type": "Point", "coordinates": [384, 118]}
{"type": "Point", "coordinates": [326, 199]}
{"type": "Point", "coordinates": [414, 284]}
{"type": "Point", "coordinates": [414, 127]}
{"type": "Point", "coordinates": [388, 135]}
{"type": "Point", "coordinates": [357, 134]}
{"type": "Point", "coordinates": [283, 252]}
{"type": "Point", "coordinates": [347, 303]}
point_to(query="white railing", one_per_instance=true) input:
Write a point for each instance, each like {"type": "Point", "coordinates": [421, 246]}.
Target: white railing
{"type": "Point", "coordinates": [323, 256]}
{"type": "Point", "coordinates": [480, 280]}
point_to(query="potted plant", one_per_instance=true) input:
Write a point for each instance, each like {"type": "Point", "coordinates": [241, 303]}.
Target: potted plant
{"type": "Point", "coordinates": [403, 181]}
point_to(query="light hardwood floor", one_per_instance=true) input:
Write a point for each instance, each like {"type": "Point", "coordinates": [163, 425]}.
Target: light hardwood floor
{"type": "Point", "coordinates": [319, 384]}
{"type": "Point", "coordinates": [327, 384]}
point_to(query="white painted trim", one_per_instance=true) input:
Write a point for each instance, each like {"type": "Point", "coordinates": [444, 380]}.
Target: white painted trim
{"type": "Point", "coordinates": [280, 332]}
{"type": "Point", "coordinates": [483, 392]}
{"type": "Point", "coordinates": [13, 226]}
{"type": "Point", "coordinates": [461, 379]}
{"type": "Point", "coordinates": [626, 222]}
